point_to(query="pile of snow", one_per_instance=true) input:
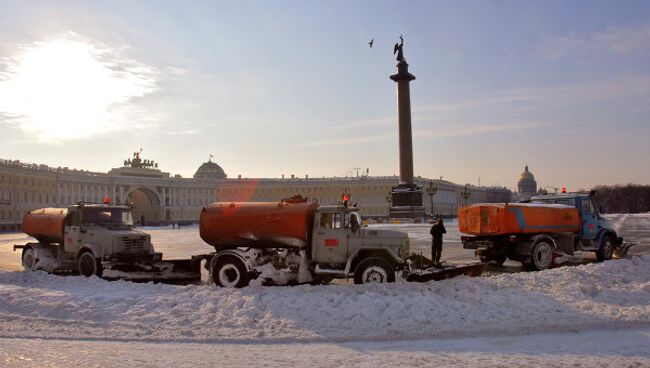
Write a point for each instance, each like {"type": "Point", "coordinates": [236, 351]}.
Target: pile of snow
{"type": "Point", "coordinates": [613, 294]}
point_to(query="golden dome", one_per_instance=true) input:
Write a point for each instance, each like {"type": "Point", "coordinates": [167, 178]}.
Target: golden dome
{"type": "Point", "coordinates": [526, 175]}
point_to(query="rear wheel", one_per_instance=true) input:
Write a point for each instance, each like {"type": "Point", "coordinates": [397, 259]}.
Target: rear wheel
{"type": "Point", "coordinates": [606, 249]}
{"type": "Point", "coordinates": [541, 256]}
{"type": "Point", "coordinates": [229, 271]}
{"type": "Point", "coordinates": [374, 270]}
{"type": "Point", "coordinates": [88, 265]}
{"type": "Point", "coordinates": [28, 259]}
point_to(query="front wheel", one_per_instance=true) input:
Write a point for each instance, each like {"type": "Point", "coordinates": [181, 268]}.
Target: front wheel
{"type": "Point", "coordinates": [606, 249]}
{"type": "Point", "coordinates": [88, 265]}
{"type": "Point", "coordinates": [229, 271]}
{"type": "Point", "coordinates": [28, 259]}
{"type": "Point", "coordinates": [374, 270]}
{"type": "Point", "coordinates": [541, 256]}
{"type": "Point", "coordinates": [499, 260]}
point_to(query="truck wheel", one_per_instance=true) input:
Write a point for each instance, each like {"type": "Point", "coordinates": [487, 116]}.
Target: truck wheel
{"type": "Point", "coordinates": [541, 256]}
{"type": "Point", "coordinates": [88, 265]}
{"type": "Point", "coordinates": [499, 261]}
{"type": "Point", "coordinates": [374, 270]}
{"type": "Point", "coordinates": [229, 271]}
{"type": "Point", "coordinates": [28, 259]}
{"type": "Point", "coordinates": [606, 249]}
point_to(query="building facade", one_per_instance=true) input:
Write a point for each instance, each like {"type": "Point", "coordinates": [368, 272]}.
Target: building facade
{"type": "Point", "coordinates": [159, 198]}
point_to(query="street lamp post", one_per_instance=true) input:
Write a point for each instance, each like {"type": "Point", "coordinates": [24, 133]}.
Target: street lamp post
{"type": "Point", "coordinates": [465, 194]}
{"type": "Point", "coordinates": [431, 191]}
{"type": "Point", "coordinates": [389, 198]}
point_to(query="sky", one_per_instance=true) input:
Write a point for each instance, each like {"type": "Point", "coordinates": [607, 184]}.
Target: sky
{"type": "Point", "coordinates": [292, 87]}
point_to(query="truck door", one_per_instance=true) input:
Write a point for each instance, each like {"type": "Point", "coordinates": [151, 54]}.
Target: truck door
{"type": "Point", "coordinates": [355, 239]}
{"type": "Point", "coordinates": [72, 233]}
{"type": "Point", "coordinates": [330, 241]}
{"type": "Point", "coordinates": [589, 219]}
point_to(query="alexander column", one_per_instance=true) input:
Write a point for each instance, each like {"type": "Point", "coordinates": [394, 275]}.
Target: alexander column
{"type": "Point", "coordinates": [407, 196]}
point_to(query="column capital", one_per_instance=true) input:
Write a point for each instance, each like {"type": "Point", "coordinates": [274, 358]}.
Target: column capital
{"type": "Point", "coordinates": [402, 73]}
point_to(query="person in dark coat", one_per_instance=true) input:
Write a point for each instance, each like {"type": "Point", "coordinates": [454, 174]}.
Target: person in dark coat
{"type": "Point", "coordinates": [436, 244]}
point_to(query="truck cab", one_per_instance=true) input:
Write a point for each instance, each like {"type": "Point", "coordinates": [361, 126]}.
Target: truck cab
{"type": "Point", "coordinates": [341, 245]}
{"type": "Point", "coordinates": [107, 231]}
{"type": "Point", "coordinates": [596, 233]}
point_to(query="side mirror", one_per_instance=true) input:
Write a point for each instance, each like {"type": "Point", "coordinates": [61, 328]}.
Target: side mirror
{"type": "Point", "coordinates": [355, 226]}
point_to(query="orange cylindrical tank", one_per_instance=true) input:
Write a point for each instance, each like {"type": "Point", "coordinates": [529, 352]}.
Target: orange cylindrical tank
{"type": "Point", "coordinates": [45, 224]}
{"type": "Point", "coordinates": [517, 218]}
{"type": "Point", "coordinates": [257, 224]}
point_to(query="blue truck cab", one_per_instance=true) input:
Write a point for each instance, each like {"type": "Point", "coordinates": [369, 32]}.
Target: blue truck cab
{"type": "Point", "coordinates": [597, 233]}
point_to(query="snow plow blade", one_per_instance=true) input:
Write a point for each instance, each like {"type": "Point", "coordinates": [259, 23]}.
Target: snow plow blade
{"type": "Point", "coordinates": [169, 271]}
{"type": "Point", "coordinates": [436, 273]}
{"type": "Point", "coordinates": [622, 250]}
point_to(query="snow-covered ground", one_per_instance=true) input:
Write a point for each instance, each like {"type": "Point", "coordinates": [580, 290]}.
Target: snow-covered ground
{"type": "Point", "coordinates": [615, 348]}
{"type": "Point", "coordinates": [596, 314]}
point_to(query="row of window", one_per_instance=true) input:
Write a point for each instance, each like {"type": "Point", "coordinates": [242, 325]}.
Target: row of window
{"type": "Point", "coordinates": [7, 179]}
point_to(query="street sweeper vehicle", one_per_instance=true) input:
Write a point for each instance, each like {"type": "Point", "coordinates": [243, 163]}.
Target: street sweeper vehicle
{"type": "Point", "coordinates": [295, 241]}
{"type": "Point", "coordinates": [96, 239]}
{"type": "Point", "coordinates": [539, 234]}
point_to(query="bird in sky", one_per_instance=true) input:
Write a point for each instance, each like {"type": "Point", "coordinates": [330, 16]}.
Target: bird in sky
{"type": "Point", "coordinates": [371, 42]}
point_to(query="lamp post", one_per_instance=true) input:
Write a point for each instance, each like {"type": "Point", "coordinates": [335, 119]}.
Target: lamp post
{"type": "Point", "coordinates": [465, 194]}
{"type": "Point", "coordinates": [389, 198]}
{"type": "Point", "coordinates": [431, 191]}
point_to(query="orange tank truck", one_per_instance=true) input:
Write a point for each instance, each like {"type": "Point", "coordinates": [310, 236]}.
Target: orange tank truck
{"type": "Point", "coordinates": [517, 218]}
{"type": "Point", "coordinates": [264, 224]}
{"type": "Point", "coordinates": [45, 224]}
{"type": "Point", "coordinates": [541, 233]}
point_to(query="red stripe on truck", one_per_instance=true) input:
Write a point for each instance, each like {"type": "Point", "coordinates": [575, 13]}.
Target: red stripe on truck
{"type": "Point", "coordinates": [331, 242]}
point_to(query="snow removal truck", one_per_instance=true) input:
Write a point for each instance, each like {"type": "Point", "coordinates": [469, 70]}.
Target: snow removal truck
{"type": "Point", "coordinates": [539, 234]}
{"type": "Point", "coordinates": [295, 241]}
{"type": "Point", "coordinates": [96, 239]}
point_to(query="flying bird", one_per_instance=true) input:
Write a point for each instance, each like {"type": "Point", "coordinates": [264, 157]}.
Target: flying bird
{"type": "Point", "coordinates": [371, 42]}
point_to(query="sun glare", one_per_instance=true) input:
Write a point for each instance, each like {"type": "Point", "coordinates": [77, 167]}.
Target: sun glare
{"type": "Point", "coordinates": [68, 89]}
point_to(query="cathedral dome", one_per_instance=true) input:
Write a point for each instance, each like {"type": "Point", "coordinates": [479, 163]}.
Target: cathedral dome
{"type": "Point", "coordinates": [526, 175]}
{"type": "Point", "coordinates": [527, 183]}
{"type": "Point", "coordinates": [210, 170]}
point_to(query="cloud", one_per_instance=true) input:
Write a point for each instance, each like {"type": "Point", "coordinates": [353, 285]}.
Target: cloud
{"type": "Point", "coordinates": [357, 139]}
{"type": "Point", "coordinates": [502, 111]}
{"type": "Point", "coordinates": [72, 87]}
{"type": "Point", "coordinates": [625, 40]}
{"type": "Point", "coordinates": [461, 130]}
{"type": "Point", "coordinates": [622, 40]}
{"type": "Point", "coordinates": [561, 47]}
{"type": "Point", "coordinates": [548, 98]}
{"type": "Point", "coordinates": [365, 123]}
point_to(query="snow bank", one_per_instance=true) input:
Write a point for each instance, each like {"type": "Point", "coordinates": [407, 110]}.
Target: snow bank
{"type": "Point", "coordinates": [613, 294]}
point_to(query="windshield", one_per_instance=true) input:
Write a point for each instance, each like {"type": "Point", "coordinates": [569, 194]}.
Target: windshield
{"type": "Point", "coordinates": [348, 219]}
{"type": "Point", "coordinates": [108, 216]}
{"type": "Point", "coordinates": [565, 201]}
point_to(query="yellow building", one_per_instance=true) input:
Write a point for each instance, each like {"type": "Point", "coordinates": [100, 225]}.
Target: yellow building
{"type": "Point", "coordinates": [160, 198]}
